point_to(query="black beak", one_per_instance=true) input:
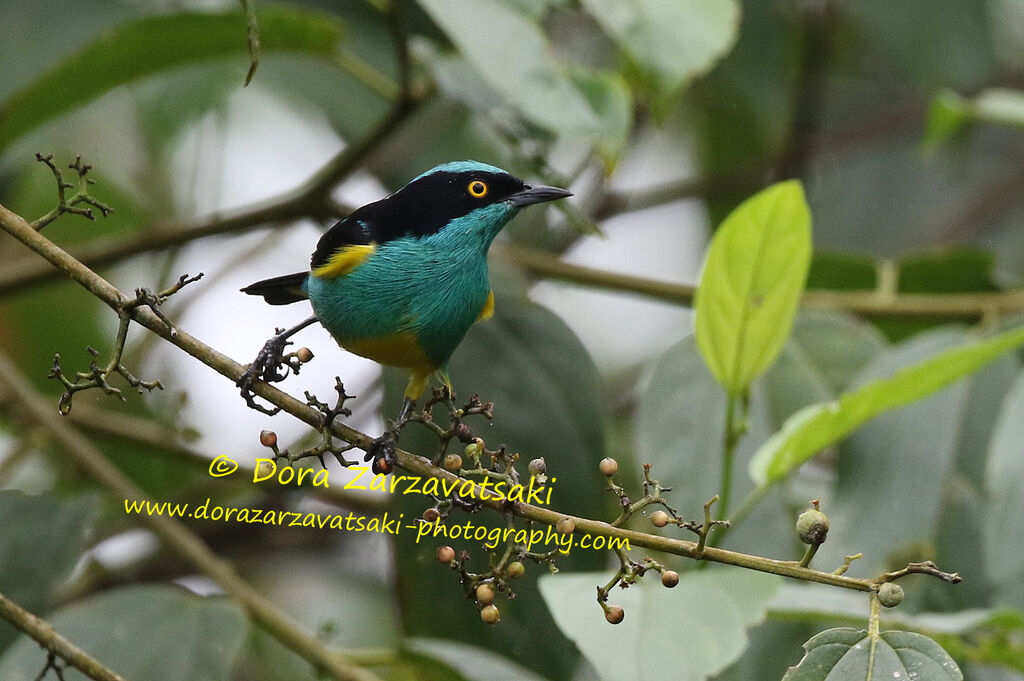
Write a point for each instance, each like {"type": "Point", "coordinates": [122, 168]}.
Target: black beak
{"type": "Point", "coordinates": [539, 194]}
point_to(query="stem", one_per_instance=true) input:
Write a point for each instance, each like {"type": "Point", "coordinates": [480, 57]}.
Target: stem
{"type": "Point", "coordinates": [21, 230]}
{"type": "Point", "coordinates": [729, 441]}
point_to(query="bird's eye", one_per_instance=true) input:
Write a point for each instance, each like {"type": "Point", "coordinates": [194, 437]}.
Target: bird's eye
{"type": "Point", "coordinates": [477, 189]}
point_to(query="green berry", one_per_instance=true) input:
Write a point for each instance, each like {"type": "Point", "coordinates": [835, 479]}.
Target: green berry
{"type": "Point", "coordinates": [890, 595]}
{"type": "Point", "coordinates": [566, 525]}
{"type": "Point", "coordinates": [515, 570]}
{"type": "Point", "coordinates": [453, 462]}
{"type": "Point", "coordinates": [812, 527]}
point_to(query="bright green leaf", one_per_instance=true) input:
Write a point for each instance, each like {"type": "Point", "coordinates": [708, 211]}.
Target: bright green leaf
{"type": "Point", "coordinates": [144, 632]}
{"type": "Point", "coordinates": [815, 427]}
{"type": "Point", "coordinates": [671, 40]}
{"type": "Point", "coordinates": [154, 44]}
{"type": "Point", "coordinates": [486, 32]}
{"type": "Point", "coordinates": [695, 630]}
{"type": "Point", "coordinates": [949, 112]}
{"type": "Point", "coordinates": [852, 655]}
{"type": "Point", "coordinates": [754, 273]}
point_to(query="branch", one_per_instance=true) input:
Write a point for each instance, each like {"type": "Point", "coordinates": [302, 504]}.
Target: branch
{"type": "Point", "coordinates": [173, 533]}
{"type": "Point", "coordinates": [45, 635]}
{"type": "Point", "coordinates": [312, 198]}
{"type": "Point", "coordinates": [954, 306]}
{"type": "Point", "coordinates": [224, 365]}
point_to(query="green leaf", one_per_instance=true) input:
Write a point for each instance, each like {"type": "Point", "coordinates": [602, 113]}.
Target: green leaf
{"type": "Point", "coordinates": [949, 113]}
{"type": "Point", "coordinates": [486, 32]}
{"type": "Point", "coordinates": [815, 427]}
{"type": "Point", "coordinates": [144, 632]}
{"type": "Point", "coordinates": [154, 44]}
{"type": "Point", "coordinates": [1003, 529]}
{"type": "Point", "coordinates": [41, 539]}
{"type": "Point", "coordinates": [754, 273]}
{"type": "Point", "coordinates": [845, 654]}
{"type": "Point", "coordinates": [695, 630]}
{"type": "Point", "coordinates": [608, 95]}
{"type": "Point", "coordinates": [672, 41]}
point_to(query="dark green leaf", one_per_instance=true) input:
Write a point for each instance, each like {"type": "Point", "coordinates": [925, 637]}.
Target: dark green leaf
{"type": "Point", "coordinates": [838, 271]}
{"type": "Point", "coordinates": [144, 632]}
{"type": "Point", "coordinates": [852, 655]}
{"type": "Point", "coordinates": [41, 539]}
{"type": "Point", "coordinates": [465, 662]}
{"type": "Point", "coordinates": [754, 273]}
{"type": "Point", "coordinates": [154, 44]}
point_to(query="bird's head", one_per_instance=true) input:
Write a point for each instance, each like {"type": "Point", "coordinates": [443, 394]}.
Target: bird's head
{"type": "Point", "coordinates": [469, 196]}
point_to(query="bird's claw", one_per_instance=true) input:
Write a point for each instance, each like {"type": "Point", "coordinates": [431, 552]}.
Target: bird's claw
{"type": "Point", "coordinates": [266, 367]}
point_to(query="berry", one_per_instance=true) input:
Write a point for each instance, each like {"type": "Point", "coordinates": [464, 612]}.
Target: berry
{"type": "Point", "coordinates": [614, 614]}
{"type": "Point", "coordinates": [565, 525]}
{"type": "Point", "coordinates": [490, 614]}
{"type": "Point", "coordinates": [608, 466]}
{"type": "Point", "coordinates": [446, 554]}
{"type": "Point", "coordinates": [431, 515]}
{"type": "Point", "coordinates": [268, 438]}
{"type": "Point", "coordinates": [515, 570]}
{"type": "Point", "coordinates": [537, 466]}
{"type": "Point", "coordinates": [812, 526]}
{"type": "Point", "coordinates": [890, 595]}
{"type": "Point", "coordinates": [381, 466]}
{"type": "Point", "coordinates": [304, 355]}
{"type": "Point", "coordinates": [660, 519]}
{"type": "Point", "coordinates": [452, 462]}
{"type": "Point", "coordinates": [265, 469]}
{"type": "Point", "coordinates": [669, 578]}
{"type": "Point", "coordinates": [484, 594]}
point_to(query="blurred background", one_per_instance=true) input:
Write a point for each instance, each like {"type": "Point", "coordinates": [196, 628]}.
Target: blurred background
{"type": "Point", "coordinates": [904, 121]}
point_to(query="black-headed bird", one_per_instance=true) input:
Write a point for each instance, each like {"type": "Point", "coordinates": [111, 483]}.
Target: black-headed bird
{"type": "Point", "coordinates": [401, 280]}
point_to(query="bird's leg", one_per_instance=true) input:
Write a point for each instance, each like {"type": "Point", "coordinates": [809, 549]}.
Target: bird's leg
{"type": "Point", "coordinates": [382, 451]}
{"type": "Point", "coordinates": [268, 363]}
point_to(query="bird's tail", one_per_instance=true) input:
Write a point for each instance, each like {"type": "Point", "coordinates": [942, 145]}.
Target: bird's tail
{"type": "Point", "coordinates": [280, 290]}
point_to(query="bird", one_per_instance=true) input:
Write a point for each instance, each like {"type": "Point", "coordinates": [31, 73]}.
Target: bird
{"type": "Point", "coordinates": [401, 280]}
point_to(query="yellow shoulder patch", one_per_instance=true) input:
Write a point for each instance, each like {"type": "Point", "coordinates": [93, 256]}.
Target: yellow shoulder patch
{"type": "Point", "coordinates": [344, 260]}
{"type": "Point", "coordinates": [488, 310]}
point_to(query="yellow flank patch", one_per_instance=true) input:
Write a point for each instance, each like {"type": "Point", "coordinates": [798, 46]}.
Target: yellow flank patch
{"type": "Point", "coordinates": [488, 310]}
{"type": "Point", "coordinates": [401, 349]}
{"type": "Point", "coordinates": [344, 260]}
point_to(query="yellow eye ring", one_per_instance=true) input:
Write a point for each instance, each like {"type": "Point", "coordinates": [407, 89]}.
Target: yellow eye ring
{"type": "Point", "coordinates": [477, 189]}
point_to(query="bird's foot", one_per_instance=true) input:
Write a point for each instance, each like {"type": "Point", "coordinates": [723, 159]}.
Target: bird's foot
{"type": "Point", "coordinates": [382, 450]}
{"type": "Point", "coordinates": [269, 363]}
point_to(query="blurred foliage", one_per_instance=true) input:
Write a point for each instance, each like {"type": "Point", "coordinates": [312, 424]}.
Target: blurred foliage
{"type": "Point", "coordinates": [902, 122]}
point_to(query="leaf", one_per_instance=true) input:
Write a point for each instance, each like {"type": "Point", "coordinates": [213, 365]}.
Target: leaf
{"type": "Point", "coordinates": [846, 654]}
{"type": "Point", "coordinates": [608, 95]}
{"type": "Point", "coordinates": [547, 396]}
{"type": "Point", "coordinates": [949, 112]}
{"type": "Point", "coordinates": [672, 41]}
{"type": "Point", "coordinates": [144, 632]}
{"type": "Point", "coordinates": [41, 539]}
{"type": "Point", "coordinates": [154, 44]}
{"type": "Point", "coordinates": [486, 32]}
{"type": "Point", "coordinates": [467, 662]}
{"type": "Point", "coordinates": [815, 427]}
{"type": "Point", "coordinates": [754, 273]}
{"type": "Point", "coordinates": [695, 630]}
{"type": "Point", "coordinates": [1003, 530]}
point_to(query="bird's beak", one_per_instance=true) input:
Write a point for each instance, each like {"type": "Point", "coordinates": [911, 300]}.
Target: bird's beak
{"type": "Point", "coordinates": [538, 194]}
